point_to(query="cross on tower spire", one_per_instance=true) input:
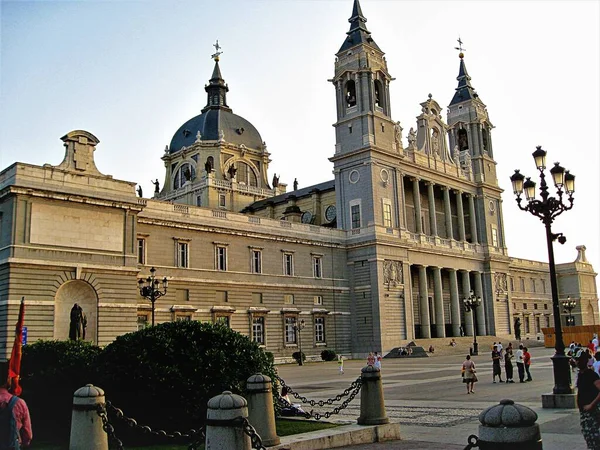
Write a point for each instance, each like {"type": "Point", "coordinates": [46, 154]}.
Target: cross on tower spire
{"type": "Point", "coordinates": [216, 55]}
{"type": "Point", "coordinates": [460, 48]}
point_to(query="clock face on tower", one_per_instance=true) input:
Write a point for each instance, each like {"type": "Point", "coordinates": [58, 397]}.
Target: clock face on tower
{"type": "Point", "coordinates": [330, 213]}
{"type": "Point", "coordinates": [306, 217]}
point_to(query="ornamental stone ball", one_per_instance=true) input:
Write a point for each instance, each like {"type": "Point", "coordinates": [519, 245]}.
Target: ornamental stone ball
{"type": "Point", "coordinates": [508, 414]}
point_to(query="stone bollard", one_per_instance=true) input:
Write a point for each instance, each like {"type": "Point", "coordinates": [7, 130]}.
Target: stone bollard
{"type": "Point", "coordinates": [372, 408]}
{"type": "Point", "coordinates": [221, 432]}
{"type": "Point", "coordinates": [261, 413]}
{"type": "Point", "coordinates": [86, 425]}
{"type": "Point", "coordinates": [509, 426]}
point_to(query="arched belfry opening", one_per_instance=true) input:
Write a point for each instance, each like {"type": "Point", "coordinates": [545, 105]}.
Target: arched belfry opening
{"type": "Point", "coordinates": [82, 293]}
{"type": "Point", "coordinates": [378, 94]}
{"type": "Point", "coordinates": [463, 139]}
{"type": "Point", "coordinates": [350, 93]}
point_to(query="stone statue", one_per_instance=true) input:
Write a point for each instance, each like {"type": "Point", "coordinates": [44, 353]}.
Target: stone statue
{"type": "Point", "coordinates": [221, 135]}
{"type": "Point", "coordinates": [231, 171]}
{"type": "Point", "coordinates": [518, 329]}
{"type": "Point", "coordinates": [166, 149]}
{"type": "Point", "coordinates": [76, 330]}
{"type": "Point", "coordinates": [187, 173]}
{"type": "Point", "coordinates": [295, 184]}
{"type": "Point", "coordinates": [412, 138]}
{"type": "Point", "coordinates": [208, 166]}
{"type": "Point", "coordinates": [456, 155]}
{"type": "Point", "coordinates": [435, 142]}
{"type": "Point", "coordinates": [275, 181]}
{"type": "Point", "coordinates": [398, 135]}
{"type": "Point", "coordinates": [156, 186]}
{"type": "Point", "coordinates": [139, 191]}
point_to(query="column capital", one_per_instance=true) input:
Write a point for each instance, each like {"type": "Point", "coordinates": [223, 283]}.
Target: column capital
{"type": "Point", "coordinates": [456, 191]}
{"type": "Point", "coordinates": [443, 187]}
{"type": "Point", "coordinates": [413, 178]}
{"type": "Point", "coordinates": [429, 183]}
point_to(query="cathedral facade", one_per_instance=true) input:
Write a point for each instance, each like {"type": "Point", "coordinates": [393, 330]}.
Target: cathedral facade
{"type": "Point", "coordinates": [382, 254]}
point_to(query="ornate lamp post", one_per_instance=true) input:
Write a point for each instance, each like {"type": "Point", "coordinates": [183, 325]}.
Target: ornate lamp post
{"type": "Point", "coordinates": [569, 305]}
{"type": "Point", "coordinates": [471, 303]}
{"type": "Point", "coordinates": [298, 328]}
{"type": "Point", "coordinates": [547, 209]}
{"type": "Point", "coordinates": [149, 288]}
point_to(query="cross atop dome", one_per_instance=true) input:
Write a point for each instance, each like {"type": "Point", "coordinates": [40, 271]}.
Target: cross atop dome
{"type": "Point", "coordinates": [218, 53]}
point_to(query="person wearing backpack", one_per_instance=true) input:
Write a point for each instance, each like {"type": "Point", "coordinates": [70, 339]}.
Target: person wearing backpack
{"type": "Point", "coordinates": [15, 423]}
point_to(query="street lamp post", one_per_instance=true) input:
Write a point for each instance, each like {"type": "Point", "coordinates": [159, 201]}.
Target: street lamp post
{"type": "Point", "coordinates": [149, 288]}
{"type": "Point", "coordinates": [547, 209]}
{"type": "Point", "coordinates": [569, 305]}
{"type": "Point", "coordinates": [471, 304]}
{"type": "Point", "coordinates": [298, 328]}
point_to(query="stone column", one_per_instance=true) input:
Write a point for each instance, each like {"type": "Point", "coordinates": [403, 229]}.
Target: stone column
{"type": "Point", "coordinates": [466, 292]}
{"type": "Point", "coordinates": [448, 212]}
{"type": "Point", "coordinates": [417, 202]}
{"type": "Point", "coordinates": [86, 425]}
{"type": "Point", "coordinates": [424, 303]}
{"type": "Point", "coordinates": [432, 218]}
{"type": "Point", "coordinates": [454, 303]}
{"type": "Point", "coordinates": [461, 216]}
{"type": "Point", "coordinates": [221, 434]}
{"type": "Point", "coordinates": [261, 414]}
{"type": "Point", "coordinates": [440, 327]}
{"type": "Point", "coordinates": [480, 311]}
{"type": "Point", "coordinates": [372, 406]}
{"type": "Point", "coordinates": [472, 218]}
{"type": "Point", "coordinates": [402, 201]}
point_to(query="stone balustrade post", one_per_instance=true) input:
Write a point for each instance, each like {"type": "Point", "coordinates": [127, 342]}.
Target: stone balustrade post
{"type": "Point", "coordinates": [261, 413]}
{"type": "Point", "coordinates": [372, 407]}
{"type": "Point", "coordinates": [86, 425]}
{"type": "Point", "coordinates": [221, 433]}
{"type": "Point", "coordinates": [509, 426]}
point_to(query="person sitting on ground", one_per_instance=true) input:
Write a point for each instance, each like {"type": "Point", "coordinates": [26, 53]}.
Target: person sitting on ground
{"type": "Point", "coordinates": [431, 349]}
{"type": "Point", "coordinates": [452, 343]}
{"type": "Point", "coordinates": [288, 408]}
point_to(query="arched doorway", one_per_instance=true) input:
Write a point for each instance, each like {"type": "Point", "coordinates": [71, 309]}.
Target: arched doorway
{"type": "Point", "coordinates": [82, 293]}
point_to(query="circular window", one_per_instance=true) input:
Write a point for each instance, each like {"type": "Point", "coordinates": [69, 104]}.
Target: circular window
{"type": "Point", "coordinates": [330, 213]}
{"type": "Point", "coordinates": [354, 176]}
{"type": "Point", "coordinates": [306, 217]}
{"type": "Point", "coordinates": [492, 206]}
{"type": "Point", "coordinates": [385, 175]}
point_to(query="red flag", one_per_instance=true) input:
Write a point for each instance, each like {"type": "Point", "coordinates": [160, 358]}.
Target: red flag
{"type": "Point", "coordinates": [14, 366]}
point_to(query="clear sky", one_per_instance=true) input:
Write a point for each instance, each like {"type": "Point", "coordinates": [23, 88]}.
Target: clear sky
{"type": "Point", "coordinates": [131, 72]}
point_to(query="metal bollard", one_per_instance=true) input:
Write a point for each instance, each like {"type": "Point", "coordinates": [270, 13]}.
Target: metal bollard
{"type": "Point", "coordinates": [261, 413]}
{"type": "Point", "coordinates": [372, 408]}
{"type": "Point", "coordinates": [509, 426]}
{"type": "Point", "coordinates": [224, 430]}
{"type": "Point", "coordinates": [86, 425]}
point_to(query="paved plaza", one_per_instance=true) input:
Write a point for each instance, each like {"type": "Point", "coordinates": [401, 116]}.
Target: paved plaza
{"type": "Point", "coordinates": [426, 396]}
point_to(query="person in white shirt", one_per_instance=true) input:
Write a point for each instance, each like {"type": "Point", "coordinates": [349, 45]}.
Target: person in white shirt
{"type": "Point", "coordinates": [499, 345]}
{"type": "Point", "coordinates": [596, 364]}
{"type": "Point", "coordinates": [520, 364]}
{"type": "Point", "coordinates": [595, 342]}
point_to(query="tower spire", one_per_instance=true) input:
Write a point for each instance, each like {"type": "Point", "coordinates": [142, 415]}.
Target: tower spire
{"type": "Point", "coordinates": [464, 90]}
{"type": "Point", "coordinates": [217, 88]}
{"type": "Point", "coordinates": [358, 33]}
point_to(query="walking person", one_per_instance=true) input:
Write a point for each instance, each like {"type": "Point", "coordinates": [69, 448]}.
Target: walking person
{"type": "Point", "coordinates": [527, 362]}
{"type": "Point", "coordinates": [469, 374]}
{"type": "Point", "coordinates": [378, 360]}
{"type": "Point", "coordinates": [496, 370]}
{"type": "Point", "coordinates": [508, 366]}
{"type": "Point", "coordinates": [520, 364]}
{"type": "Point", "coordinates": [588, 401]}
{"type": "Point", "coordinates": [15, 421]}
{"type": "Point", "coordinates": [341, 364]}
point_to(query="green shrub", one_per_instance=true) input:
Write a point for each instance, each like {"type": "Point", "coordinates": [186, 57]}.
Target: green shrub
{"type": "Point", "coordinates": [51, 371]}
{"type": "Point", "coordinates": [328, 355]}
{"type": "Point", "coordinates": [163, 376]}
{"type": "Point", "coordinates": [296, 356]}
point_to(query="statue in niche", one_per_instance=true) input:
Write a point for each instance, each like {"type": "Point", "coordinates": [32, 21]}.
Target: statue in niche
{"type": "Point", "coordinates": [156, 186]}
{"type": "Point", "coordinates": [208, 166]}
{"type": "Point", "coordinates": [275, 181]}
{"type": "Point", "coordinates": [231, 171]}
{"type": "Point", "coordinates": [76, 324]}
{"type": "Point", "coordinates": [139, 191]}
{"type": "Point", "coordinates": [412, 138]}
{"type": "Point", "coordinates": [398, 135]}
{"type": "Point", "coordinates": [463, 140]}
{"type": "Point", "coordinates": [518, 329]}
{"type": "Point", "coordinates": [295, 184]}
{"type": "Point", "coordinates": [435, 142]}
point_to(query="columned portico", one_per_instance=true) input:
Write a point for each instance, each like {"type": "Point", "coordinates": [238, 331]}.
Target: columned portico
{"type": "Point", "coordinates": [440, 327]}
{"type": "Point", "coordinates": [424, 303]}
{"type": "Point", "coordinates": [461, 216]}
{"type": "Point", "coordinates": [480, 311]}
{"type": "Point", "coordinates": [454, 302]}
{"type": "Point", "coordinates": [466, 285]}
{"type": "Point", "coordinates": [417, 202]}
{"type": "Point", "coordinates": [447, 212]}
{"type": "Point", "coordinates": [432, 218]}
{"type": "Point", "coordinates": [472, 219]}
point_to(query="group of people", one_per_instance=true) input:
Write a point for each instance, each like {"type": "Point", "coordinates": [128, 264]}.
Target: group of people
{"type": "Point", "coordinates": [374, 359]}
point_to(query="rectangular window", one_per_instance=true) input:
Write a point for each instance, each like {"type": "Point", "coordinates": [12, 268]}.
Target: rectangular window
{"type": "Point", "coordinates": [288, 299]}
{"type": "Point", "coordinates": [222, 297]}
{"type": "Point", "coordinates": [522, 280]}
{"type": "Point", "coordinates": [527, 325]}
{"type": "Point", "coordinates": [547, 321]}
{"type": "Point", "coordinates": [256, 261]}
{"type": "Point", "coordinates": [512, 284]}
{"type": "Point", "coordinates": [290, 330]}
{"type": "Point", "coordinates": [320, 330]}
{"type": "Point", "coordinates": [221, 257]}
{"type": "Point", "coordinates": [182, 295]}
{"type": "Point", "coordinates": [545, 305]}
{"type": "Point", "coordinates": [387, 213]}
{"type": "Point", "coordinates": [533, 285]}
{"type": "Point", "coordinates": [288, 264]}
{"type": "Point", "coordinates": [538, 328]}
{"type": "Point", "coordinates": [524, 305]}
{"type": "Point", "coordinates": [494, 237]}
{"type": "Point", "coordinates": [318, 300]}
{"type": "Point", "coordinates": [258, 330]}
{"type": "Point", "coordinates": [257, 298]}
{"type": "Point", "coordinates": [182, 254]}
{"type": "Point", "coordinates": [355, 216]}
{"type": "Point", "coordinates": [221, 200]}
{"type": "Point", "coordinates": [198, 201]}
{"type": "Point", "coordinates": [141, 251]}
{"type": "Point", "coordinates": [535, 306]}
{"type": "Point", "coordinates": [183, 318]}
{"type": "Point", "coordinates": [317, 267]}
{"type": "Point", "coordinates": [224, 320]}
{"type": "Point", "coordinates": [142, 321]}
{"type": "Point", "coordinates": [544, 286]}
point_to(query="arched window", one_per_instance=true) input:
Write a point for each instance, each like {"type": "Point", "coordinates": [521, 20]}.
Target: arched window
{"type": "Point", "coordinates": [245, 174]}
{"type": "Point", "coordinates": [350, 94]}
{"type": "Point", "coordinates": [378, 94]}
{"type": "Point", "coordinates": [463, 139]}
{"type": "Point", "coordinates": [186, 172]}
{"type": "Point", "coordinates": [484, 136]}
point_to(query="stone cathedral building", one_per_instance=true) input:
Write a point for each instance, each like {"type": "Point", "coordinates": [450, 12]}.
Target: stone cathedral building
{"type": "Point", "coordinates": [382, 254]}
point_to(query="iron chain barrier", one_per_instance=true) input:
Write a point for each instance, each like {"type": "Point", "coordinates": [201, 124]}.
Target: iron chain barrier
{"type": "Point", "coordinates": [473, 442]}
{"type": "Point", "coordinates": [350, 392]}
{"type": "Point", "coordinates": [196, 437]}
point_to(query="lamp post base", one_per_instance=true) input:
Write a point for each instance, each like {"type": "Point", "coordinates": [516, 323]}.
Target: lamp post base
{"type": "Point", "coordinates": [475, 349]}
{"type": "Point", "coordinates": [559, 401]}
{"type": "Point", "coordinates": [562, 374]}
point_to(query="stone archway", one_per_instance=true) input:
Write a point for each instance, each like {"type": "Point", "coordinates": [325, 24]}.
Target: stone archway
{"type": "Point", "coordinates": [82, 293]}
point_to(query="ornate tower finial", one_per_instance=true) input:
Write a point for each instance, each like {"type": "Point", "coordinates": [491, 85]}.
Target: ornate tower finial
{"type": "Point", "coordinates": [216, 55]}
{"type": "Point", "coordinates": [460, 48]}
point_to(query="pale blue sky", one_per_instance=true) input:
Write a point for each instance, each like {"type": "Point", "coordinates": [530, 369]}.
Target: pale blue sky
{"type": "Point", "coordinates": [131, 72]}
